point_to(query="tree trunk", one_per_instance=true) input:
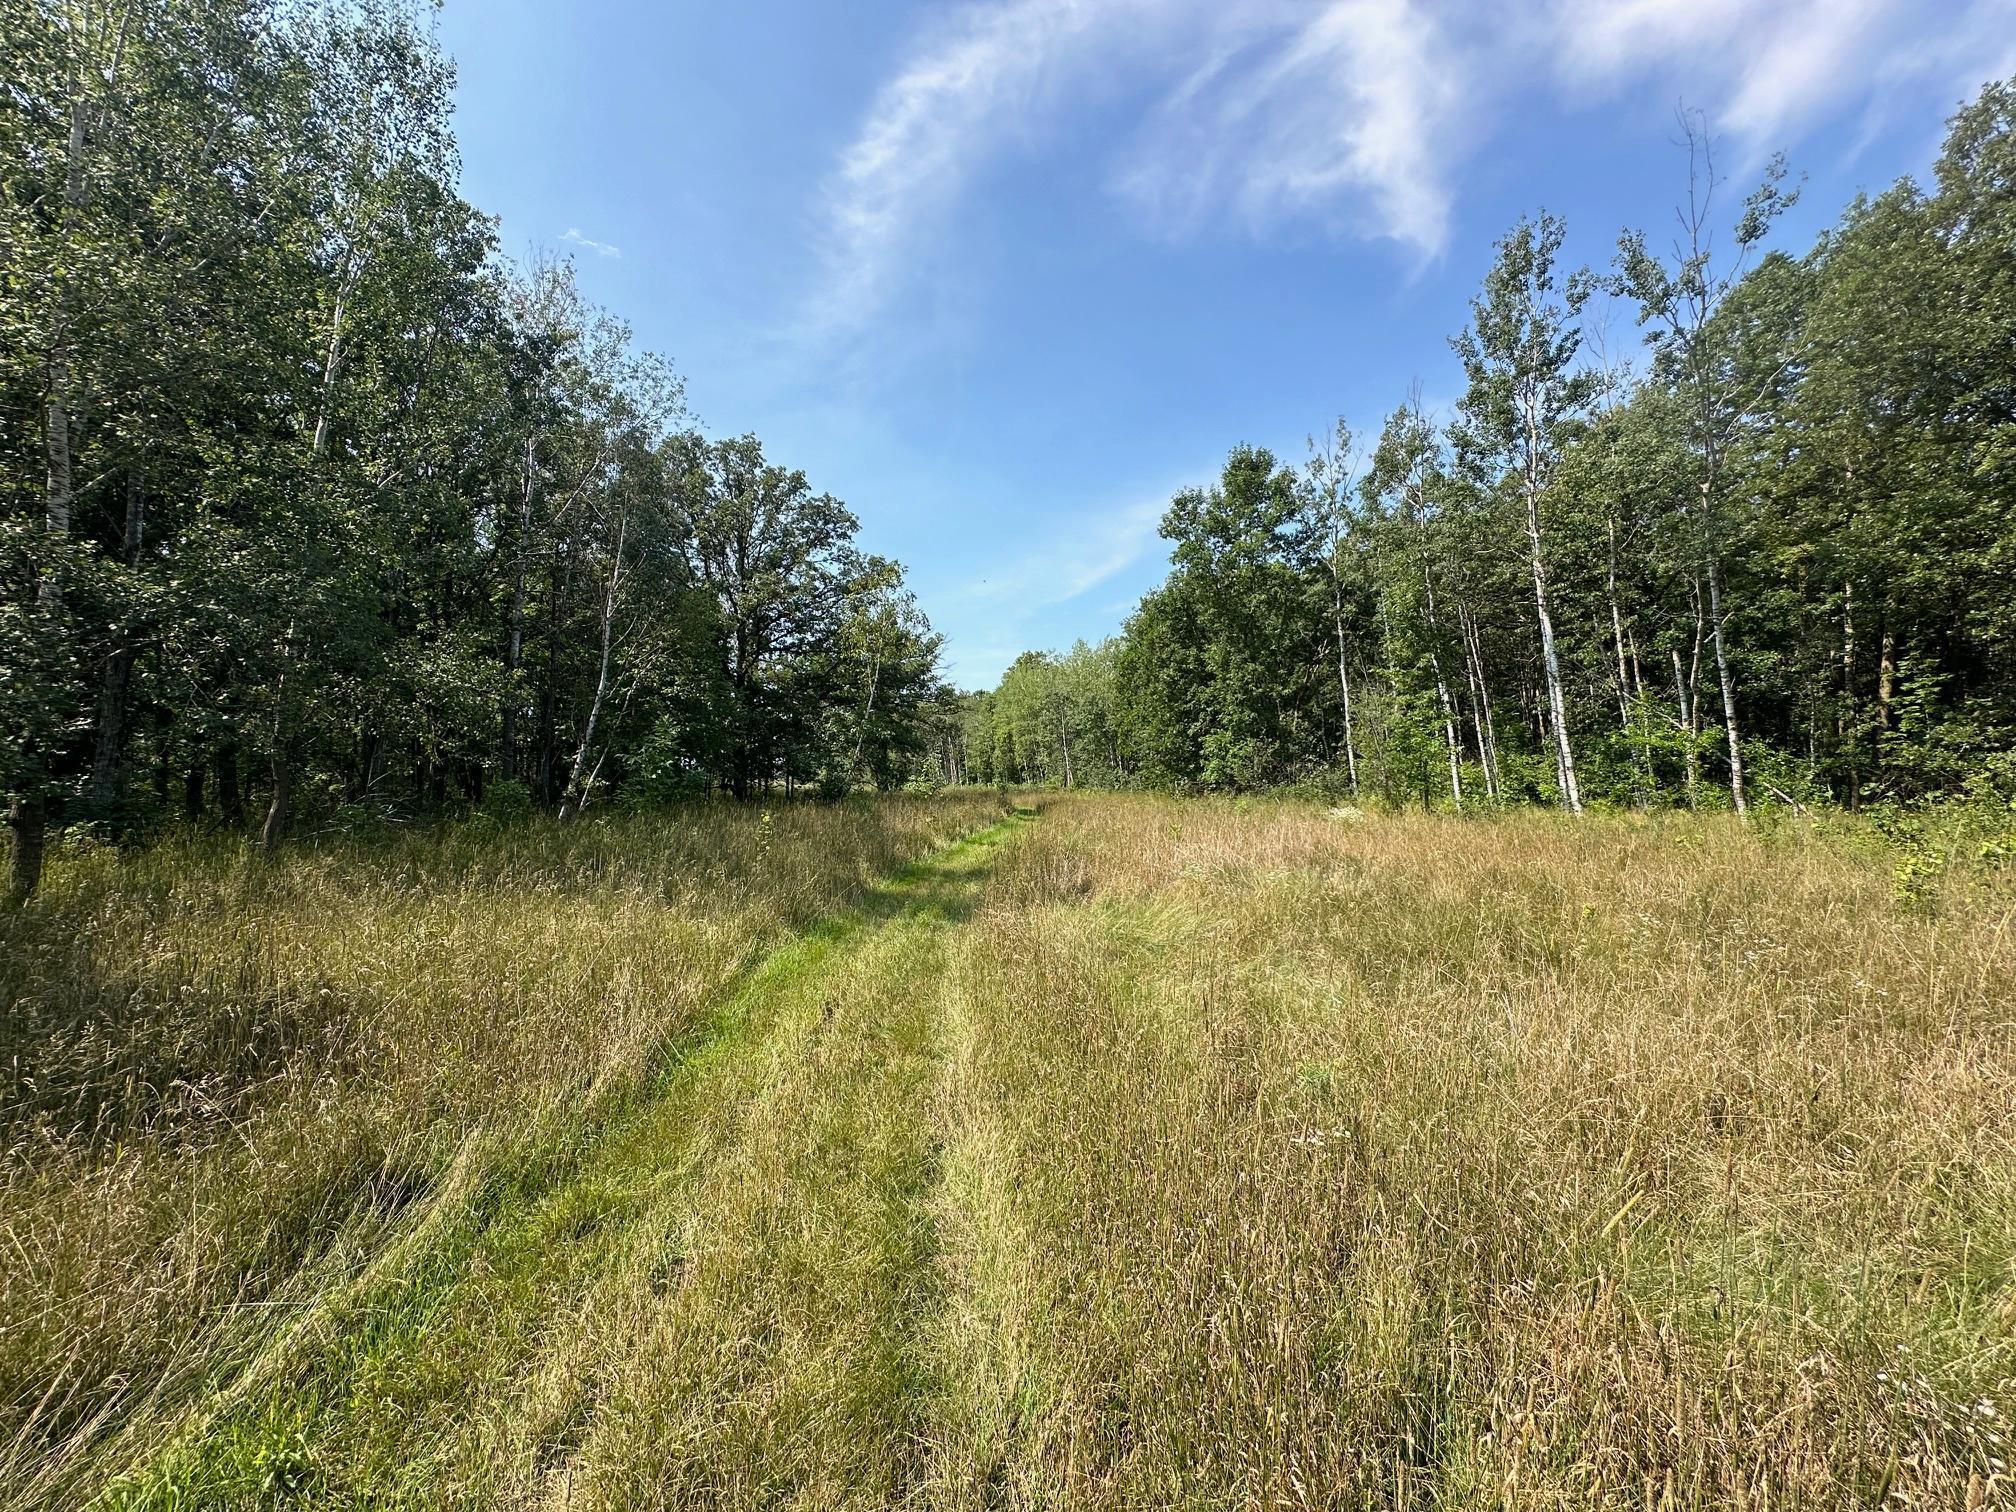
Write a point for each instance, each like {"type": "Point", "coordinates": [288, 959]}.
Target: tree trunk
{"type": "Point", "coordinates": [1726, 676]}
{"type": "Point", "coordinates": [60, 494]}
{"type": "Point", "coordinates": [1487, 725]}
{"type": "Point", "coordinates": [26, 818]}
{"type": "Point", "coordinates": [1451, 741]}
{"type": "Point", "coordinates": [1343, 671]}
{"type": "Point", "coordinates": [1477, 724]}
{"type": "Point", "coordinates": [1617, 629]}
{"type": "Point", "coordinates": [576, 797]}
{"type": "Point", "coordinates": [332, 361]}
{"type": "Point", "coordinates": [281, 807]}
{"type": "Point", "coordinates": [867, 713]}
{"type": "Point", "coordinates": [1687, 728]}
{"type": "Point", "coordinates": [1564, 752]}
{"type": "Point", "coordinates": [28, 812]}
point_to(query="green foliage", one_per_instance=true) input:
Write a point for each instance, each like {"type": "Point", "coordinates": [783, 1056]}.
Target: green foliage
{"type": "Point", "coordinates": [315, 503]}
{"type": "Point", "coordinates": [1786, 541]}
{"type": "Point", "coordinates": [507, 801]}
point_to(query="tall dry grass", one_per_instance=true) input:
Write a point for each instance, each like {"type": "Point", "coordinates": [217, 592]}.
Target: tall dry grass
{"type": "Point", "coordinates": [1152, 1154]}
{"type": "Point", "coordinates": [227, 1086]}
{"type": "Point", "coordinates": [1420, 1162]}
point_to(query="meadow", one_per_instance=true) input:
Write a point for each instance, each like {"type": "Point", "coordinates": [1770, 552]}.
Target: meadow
{"type": "Point", "coordinates": [1118, 1152]}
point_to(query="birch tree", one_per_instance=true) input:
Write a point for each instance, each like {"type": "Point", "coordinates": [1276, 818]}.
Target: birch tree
{"type": "Point", "coordinates": [1679, 299]}
{"type": "Point", "coordinates": [1524, 396]}
{"type": "Point", "coordinates": [1331, 486]}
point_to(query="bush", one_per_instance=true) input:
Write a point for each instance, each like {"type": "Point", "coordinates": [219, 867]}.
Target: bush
{"type": "Point", "coordinates": [507, 800]}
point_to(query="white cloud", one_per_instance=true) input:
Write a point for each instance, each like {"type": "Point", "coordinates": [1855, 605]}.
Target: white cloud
{"type": "Point", "coordinates": [573, 237]}
{"type": "Point", "coordinates": [1287, 108]}
{"type": "Point", "coordinates": [1344, 117]}
{"type": "Point", "coordinates": [1096, 549]}
{"type": "Point", "coordinates": [1354, 116]}
{"type": "Point", "coordinates": [927, 130]}
{"type": "Point", "coordinates": [1759, 68]}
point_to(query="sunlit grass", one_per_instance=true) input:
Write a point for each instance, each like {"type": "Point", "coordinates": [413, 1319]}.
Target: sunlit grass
{"type": "Point", "coordinates": [231, 1086]}
{"type": "Point", "coordinates": [1417, 1162]}
{"type": "Point", "coordinates": [1152, 1153]}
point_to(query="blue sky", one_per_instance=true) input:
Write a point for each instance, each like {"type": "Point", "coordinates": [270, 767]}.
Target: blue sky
{"type": "Point", "coordinates": [1005, 274]}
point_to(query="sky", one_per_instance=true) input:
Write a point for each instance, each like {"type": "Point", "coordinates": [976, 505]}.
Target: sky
{"type": "Point", "coordinates": [1004, 275]}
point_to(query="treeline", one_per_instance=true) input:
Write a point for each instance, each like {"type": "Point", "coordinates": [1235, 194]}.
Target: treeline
{"type": "Point", "coordinates": [315, 504]}
{"type": "Point", "coordinates": [1775, 556]}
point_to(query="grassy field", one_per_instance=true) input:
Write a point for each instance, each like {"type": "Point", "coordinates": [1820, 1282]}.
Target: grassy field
{"type": "Point", "coordinates": [1125, 1152]}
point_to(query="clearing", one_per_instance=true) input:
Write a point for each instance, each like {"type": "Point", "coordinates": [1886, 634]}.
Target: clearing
{"type": "Point", "coordinates": [1136, 1153]}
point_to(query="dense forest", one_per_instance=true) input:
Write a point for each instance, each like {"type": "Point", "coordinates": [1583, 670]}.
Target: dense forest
{"type": "Point", "coordinates": [1769, 556]}
{"type": "Point", "coordinates": [317, 508]}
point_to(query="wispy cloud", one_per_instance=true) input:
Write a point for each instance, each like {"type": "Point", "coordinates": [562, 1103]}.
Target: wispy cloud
{"type": "Point", "coordinates": [1344, 116]}
{"type": "Point", "coordinates": [1766, 71]}
{"type": "Point", "coordinates": [1098, 548]}
{"type": "Point", "coordinates": [925, 134]}
{"type": "Point", "coordinates": [1335, 110]}
{"type": "Point", "coordinates": [1765, 65]}
{"type": "Point", "coordinates": [1024, 601]}
{"type": "Point", "coordinates": [574, 238]}
{"type": "Point", "coordinates": [1355, 116]}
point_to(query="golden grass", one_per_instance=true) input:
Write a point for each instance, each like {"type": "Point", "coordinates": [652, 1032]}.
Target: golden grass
{"type": "Point", "coordinates": [1417, 1162]}
{"type": "Point", "coordinates": [1153, 1154]}
{"type": "Point", "coordinates": [230, 1084]}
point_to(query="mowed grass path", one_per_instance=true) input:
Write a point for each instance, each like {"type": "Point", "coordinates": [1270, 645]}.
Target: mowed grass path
{"type": "Point", "coordinates": [721, 1304]}
{"type": "Point", "coordinates": [1159, 1153]}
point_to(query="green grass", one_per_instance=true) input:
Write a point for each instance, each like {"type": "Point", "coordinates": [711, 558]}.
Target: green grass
{"type": "Point", "coordinates": [196, 1200]}
{"type": "Point", "coordinates": [508, 1306]}
{"type": "Point", "coordinates": [1180, 1154]}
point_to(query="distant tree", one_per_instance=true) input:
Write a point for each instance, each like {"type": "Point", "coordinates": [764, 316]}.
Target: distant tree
{"type": "Point", "coordinates": [1680, 300]}
{"type": "Point", "coordinates": [1524, 398]}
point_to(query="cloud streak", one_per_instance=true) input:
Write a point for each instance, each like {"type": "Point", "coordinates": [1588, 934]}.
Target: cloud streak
{"type": "Point", "coordinates": [1334, 110]}
{"type": "Point", "coordinates": [1007, 609]}
{"type": "Point", "coordinates": [1343, 118]}
{"type": "Point", "coordinates": [1351, 116]}
{"type": "Point", "coordinates": [574, 238]}
{"type": "Point", "coordinates": [1097, 549]}
{"type": "Point", "coordinates": [926, 132]}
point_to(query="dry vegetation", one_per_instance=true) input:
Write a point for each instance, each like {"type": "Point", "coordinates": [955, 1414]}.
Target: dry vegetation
{"type": "Point", "coordinates": [1151, 1154]}
{"type": "Point", "coordinates": [231, 1086]}
{"type": "Point", "coordinates": [1432, 1163]}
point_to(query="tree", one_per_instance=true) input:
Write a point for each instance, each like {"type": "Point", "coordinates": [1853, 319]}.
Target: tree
{"type": "Point", "coordinates": [1405, 477]}
{"type": "Point", "coordinates": [309, 500]}
{"type": "Point", "coordinates": [1680, 300]}
{"type": "Point", "coordinates": [1524, 399]}
{"type": "Point", "coordinates": [1329, 487]}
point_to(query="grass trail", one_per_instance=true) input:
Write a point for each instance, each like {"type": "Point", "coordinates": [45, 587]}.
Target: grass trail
{"type": "Point", "coordinates": [1182, 1154]}
{"type": "Point", "coordinates": [718, 1291]}
{"type": "Point", "coordinates": [785, 1364]}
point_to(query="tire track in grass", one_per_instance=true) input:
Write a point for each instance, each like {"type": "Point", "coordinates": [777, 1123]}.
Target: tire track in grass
{"type": "Point", "coordinates": [787, 1363]}
{"type": "Point", "coordinates": [474, 1367]}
